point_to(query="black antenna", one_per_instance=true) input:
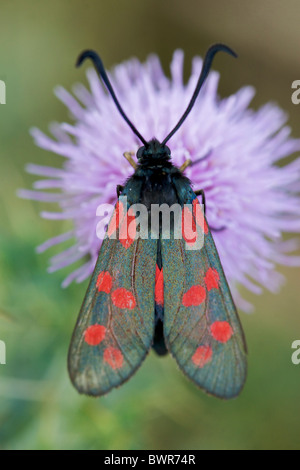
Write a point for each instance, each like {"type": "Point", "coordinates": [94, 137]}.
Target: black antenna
{"type": "Point", "coordinates": [101, 71]}
{"type": "Point", "coordinates": [204, 72]}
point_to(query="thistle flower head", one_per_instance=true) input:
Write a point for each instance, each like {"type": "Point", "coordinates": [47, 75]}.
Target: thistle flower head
{"type": "Point", "coordinates": [234, 151]}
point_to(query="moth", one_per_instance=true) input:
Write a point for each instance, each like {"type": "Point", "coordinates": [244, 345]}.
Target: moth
{"type": "Point", "coordinates": [155, 292]}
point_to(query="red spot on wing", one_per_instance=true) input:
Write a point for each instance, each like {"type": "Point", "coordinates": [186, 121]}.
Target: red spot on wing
{"type": "Point", "coordinates": [194, 296]}
{"type": "Point", "coordinates": [205, 227]}
{"type": "Point", "coordinates": [159, 286]}
{"type": "Point", "coordinates": [94, 334]}
{"type": "Point", "coordinates": [128, 229]}
{"type": "Point", "coordinates": [189, 229]}
{"type": "Point", "coordinates": [113, 357]}
{"type": "Point", "coordinates": [212, 279]}
{"type": "Point", "coordinates": [202, 356]}
{"type": "Point", "coordinates": [104, 282]}
{"type": "Point", "coordinates": [221, 331]}
{"type": "Point", "coordinates": [123, 298]}
{"type": "Point", "coordinates": [199, 216]}
{"type": "Point", "coordinates": [116, 219]}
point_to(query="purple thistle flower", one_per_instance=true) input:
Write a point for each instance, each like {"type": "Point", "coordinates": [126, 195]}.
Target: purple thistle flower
{"type": "Point", "coordinates": [235, 151]}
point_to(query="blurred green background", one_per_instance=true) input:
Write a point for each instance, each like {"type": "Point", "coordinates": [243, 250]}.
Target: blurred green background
{"type": "Point", "coordinates": [158, 408]}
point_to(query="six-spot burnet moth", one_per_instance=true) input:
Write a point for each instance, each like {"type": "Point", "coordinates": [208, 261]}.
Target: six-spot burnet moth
{"type": "Point", "coordinates": [155, 291]}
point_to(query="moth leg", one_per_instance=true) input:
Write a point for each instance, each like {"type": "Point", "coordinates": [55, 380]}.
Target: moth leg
{"type": "Point", "coordinates": [187, 163]}
{"type": "Point", "coordinates": [128, 156]}
{"type": "Point", "coordinates": [217, 229]}
{"type": "Point", "coordinates": [120, 189]}
{"type": "Point", "coordinates": [208, 154]}
{"type": "Point", "coordinates": [200, 192]}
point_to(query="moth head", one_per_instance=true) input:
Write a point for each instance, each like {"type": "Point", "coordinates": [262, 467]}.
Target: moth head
{"type": "Point", "coordinates": [153, 150]}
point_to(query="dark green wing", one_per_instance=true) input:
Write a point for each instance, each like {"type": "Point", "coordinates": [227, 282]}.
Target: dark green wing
{"type": "Point", "coordinates": [201, 325]}
{"type": "Point", "coordinates": [115, 327]}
